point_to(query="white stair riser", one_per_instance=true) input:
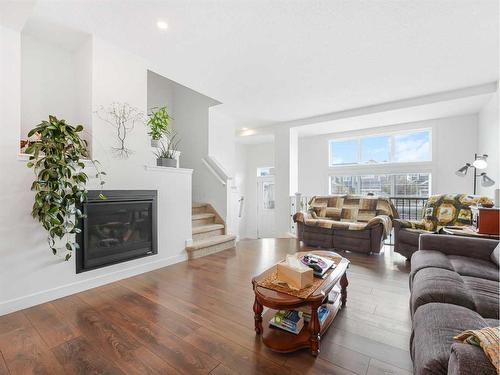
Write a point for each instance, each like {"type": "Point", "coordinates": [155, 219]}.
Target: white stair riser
{"type": "Point", "coordinates": [198, 253]}
{"type": "Point", "coordinates": [200, 236]}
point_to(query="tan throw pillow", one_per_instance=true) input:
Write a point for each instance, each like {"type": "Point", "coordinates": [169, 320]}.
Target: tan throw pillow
{"type": "Point", "coordinates": [488, 339]}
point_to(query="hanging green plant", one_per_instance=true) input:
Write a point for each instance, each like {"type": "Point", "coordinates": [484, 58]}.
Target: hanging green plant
{"type": "Point", "coordinates": [60, 184]}
{"type": "Point", "coordinates": [158, 123]}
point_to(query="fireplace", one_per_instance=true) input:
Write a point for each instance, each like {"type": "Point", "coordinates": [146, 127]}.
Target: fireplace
{"type": "Point", "coordinates": [120, 228]}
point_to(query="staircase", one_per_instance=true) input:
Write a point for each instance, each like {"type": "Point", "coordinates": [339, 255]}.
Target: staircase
{"type": "Point", "coordinates": [209, 232]}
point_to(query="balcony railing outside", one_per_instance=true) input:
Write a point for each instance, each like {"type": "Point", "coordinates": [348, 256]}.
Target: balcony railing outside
{"type": "Point", "coordinates": [409, 208]}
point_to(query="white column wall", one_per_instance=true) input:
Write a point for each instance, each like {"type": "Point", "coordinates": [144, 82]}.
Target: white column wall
{"type": "Point", "coordinates": [489, 143]}
{"type": "Point", "coordinates": [286, 176]}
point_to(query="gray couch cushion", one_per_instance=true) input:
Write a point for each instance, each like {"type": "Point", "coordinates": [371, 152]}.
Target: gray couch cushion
{"type": "Point", "coordinates": [485, 294]}
{"type": "Point", "coordinates": [468, 359]}
{"type": "Point", "coordinates": [439, 285]}
{"type": "Point", "coordinates": [492, 322]}
{"type": "Point", "coordinates": [466, 266]}
{"type": "Point", "coordinates": [434, 326]}
{"type": "Point", "coordinates": [428, 258]}
{"type": "Point", "coordinates": [495, 255]}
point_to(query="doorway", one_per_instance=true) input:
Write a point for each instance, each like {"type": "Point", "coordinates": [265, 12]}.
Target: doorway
{"type": "Point", "coordinates": [265, 206]}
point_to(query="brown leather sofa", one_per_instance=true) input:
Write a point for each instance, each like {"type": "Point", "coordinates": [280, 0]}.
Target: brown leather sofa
{"type": "Point", "coordinates": [346, 222]}
{"type": "Point", "coordinates": [439, 211]}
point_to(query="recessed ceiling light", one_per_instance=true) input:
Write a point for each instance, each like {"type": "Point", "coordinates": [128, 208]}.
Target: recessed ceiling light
{"type": "Point", "coordinates": [244, 129]}
{"type": "Point", "coordinates": [162, 25]}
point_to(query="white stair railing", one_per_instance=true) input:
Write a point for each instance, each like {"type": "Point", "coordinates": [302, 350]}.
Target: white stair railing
{"type": "Point", "coordinates": [216, 169]}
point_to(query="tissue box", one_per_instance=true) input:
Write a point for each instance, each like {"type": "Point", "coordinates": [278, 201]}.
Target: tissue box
{"type": "Point", "coordinates": [294, 277]}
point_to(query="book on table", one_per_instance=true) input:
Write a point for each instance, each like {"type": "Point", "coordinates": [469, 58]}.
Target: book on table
{"type": "Point", "coordinates": [293, 320]}
{"type": "Point", "coordinates": [323, 312]}
{"type": "Point", "coordinates": [288, 320]}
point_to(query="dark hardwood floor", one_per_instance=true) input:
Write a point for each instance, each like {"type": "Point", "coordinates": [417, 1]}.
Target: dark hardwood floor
{"type": "Point", "coordinates": [196, 317]}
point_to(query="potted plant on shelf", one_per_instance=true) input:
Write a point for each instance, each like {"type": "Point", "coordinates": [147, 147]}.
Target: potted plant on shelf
{"type": "Point", "coordinates": [166, 155]}
{"type": "Point", "coordinates": [57, 158]}
{"type": "Point", "coordinates": [158, 123]}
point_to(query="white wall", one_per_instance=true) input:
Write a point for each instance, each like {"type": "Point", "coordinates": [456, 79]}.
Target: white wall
{"type": "Point", "coordinates": [221, 139]}
{"type": "Point", "coordinates": [55, 81]}
{"type": "Point", "coordinates": [48, 83]}
{"type": "Point", "coordinates": [453, 144]}
{"type": "Point", "coordinates": [489, 142]}
{"type": "Point", "coordinates": [30, 274]}
{"type": "Point", "coordinates": [160, 93]}
{"type": "Point", "coordinates": [191, 120]}
{"type": "Point", "coordinates": [83, 57]}
{"type": "Point", "coordinates": [223, 149]}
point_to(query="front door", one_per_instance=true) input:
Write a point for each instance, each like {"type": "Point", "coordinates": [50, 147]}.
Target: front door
{"type": "Point", "coordinates": [265, 206]}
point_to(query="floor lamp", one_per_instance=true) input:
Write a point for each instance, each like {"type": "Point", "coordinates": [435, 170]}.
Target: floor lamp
{"type": "Point", "coordinates": [478, 163]}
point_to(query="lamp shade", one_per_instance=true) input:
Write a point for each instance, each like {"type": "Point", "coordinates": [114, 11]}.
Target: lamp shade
{"type": "Point", "coordinates": [480, 162]}
{"type": "Point", "coordinates": [463, 171]}
{"type": "Point", "coordinates": [486, 181]}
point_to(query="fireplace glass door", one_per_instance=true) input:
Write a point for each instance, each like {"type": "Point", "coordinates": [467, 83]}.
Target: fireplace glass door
{"type": "Point", "coordinates": [117, 230]}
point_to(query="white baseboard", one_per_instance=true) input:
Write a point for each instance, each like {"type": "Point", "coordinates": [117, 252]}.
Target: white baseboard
{"type": "Point", "coordinates": [37, 298]}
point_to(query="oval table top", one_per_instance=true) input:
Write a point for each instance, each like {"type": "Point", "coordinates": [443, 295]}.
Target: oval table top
{"type": "Point", "coordinates": [268, 296]}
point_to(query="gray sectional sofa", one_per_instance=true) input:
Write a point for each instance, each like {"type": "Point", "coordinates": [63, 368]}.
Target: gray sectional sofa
{"type": "Point", "coordinates": [454, 284]}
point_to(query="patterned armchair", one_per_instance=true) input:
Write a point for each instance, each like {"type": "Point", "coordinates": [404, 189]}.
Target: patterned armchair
{"type": "Point", "coordinates": [346, 222]}
{"type": "Point", "coordinates": [439, 211]}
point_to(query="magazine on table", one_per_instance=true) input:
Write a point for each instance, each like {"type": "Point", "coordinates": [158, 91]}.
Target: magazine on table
{"type": "Point", "coordinates": [318, 263]}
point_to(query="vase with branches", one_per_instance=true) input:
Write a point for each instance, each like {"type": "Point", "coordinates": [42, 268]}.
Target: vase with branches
{"type": "Point", "coordinates": [158, 124]}
{"type": "Point", "coordinates": [57, 158]}
{"type": "Point", "coordinates": [123, 117]}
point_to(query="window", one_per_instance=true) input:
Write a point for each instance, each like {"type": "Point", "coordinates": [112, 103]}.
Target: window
{"type": "Point", "coordinates": [412, 147]}
{"type": "Point", "coordinates": [394, 185]}
{"type": "Point", "coordinates": [264, 171]}
{"type": "Point", "coordinates": [344, 152]}
{"type": "Point", "coordinates": [375, 149]}
{"type": "Point", "coordinates": [389, 148]}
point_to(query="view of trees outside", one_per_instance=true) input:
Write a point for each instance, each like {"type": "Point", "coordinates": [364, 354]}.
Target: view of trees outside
{"type": "Point", "coordinates": [400, 185]}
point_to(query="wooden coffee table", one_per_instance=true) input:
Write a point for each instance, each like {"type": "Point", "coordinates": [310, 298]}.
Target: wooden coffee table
{"type": "Point", "coordinates": [310, 336]}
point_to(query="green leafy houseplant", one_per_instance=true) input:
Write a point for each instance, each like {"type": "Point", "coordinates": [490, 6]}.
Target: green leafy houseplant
{"type": "Point", "coordinates": [166, 154]}
{"type": "Point", "coordinates": [57, 160]}
{"type": "Point", "coordinates": [158, 123]}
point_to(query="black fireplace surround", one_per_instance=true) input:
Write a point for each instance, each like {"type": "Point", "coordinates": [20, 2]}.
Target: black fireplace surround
{"type": "Point", "coordinates": [119, 228]}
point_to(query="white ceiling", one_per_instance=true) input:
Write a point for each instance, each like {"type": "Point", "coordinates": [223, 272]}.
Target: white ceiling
{"type": "Point", "coordinates": [275, 61]}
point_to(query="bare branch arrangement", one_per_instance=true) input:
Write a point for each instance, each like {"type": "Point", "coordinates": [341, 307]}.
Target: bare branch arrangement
{"type": "Point", "coordinates": [123, 117]}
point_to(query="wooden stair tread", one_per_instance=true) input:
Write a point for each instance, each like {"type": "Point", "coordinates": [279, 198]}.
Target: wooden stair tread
{"type": "Point", "coordinates": [202, 216]}
{"type": "Point", "coordinates": [211, 241]}
{"type": "Point", "coordinates": [207, 228]}
{"type": "Point", "coordinates": [198, 205]}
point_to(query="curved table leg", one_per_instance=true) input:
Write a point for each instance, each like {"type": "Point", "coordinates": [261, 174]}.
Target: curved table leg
{"type": "Point", "coordinates": [315, 332]}
{"type": "Point", "coordinates": [343, 291]}
{"type": "Point", "coordinates": [257, 309]}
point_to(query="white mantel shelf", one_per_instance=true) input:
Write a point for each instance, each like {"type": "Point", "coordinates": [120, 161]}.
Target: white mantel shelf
{"type": "Point", "coordinates": [168, 169]}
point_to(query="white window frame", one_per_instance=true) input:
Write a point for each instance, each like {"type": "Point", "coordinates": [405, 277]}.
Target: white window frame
{"type": "Point", "coordinates": [360, 164]}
